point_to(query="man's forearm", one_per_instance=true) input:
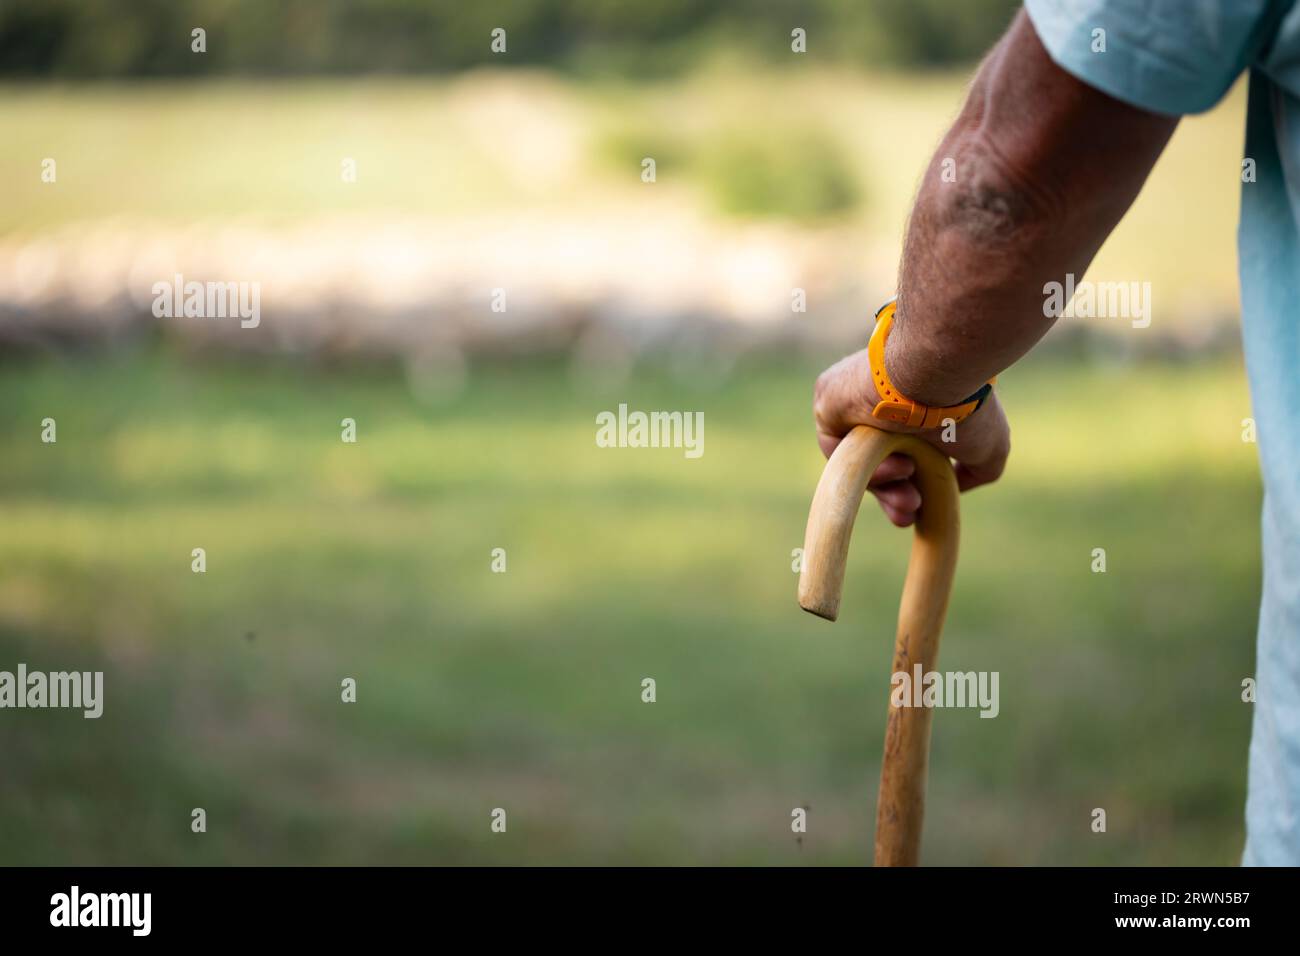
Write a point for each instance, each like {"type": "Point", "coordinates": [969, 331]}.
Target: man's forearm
{"type": "Point", "coordinates": [1045, 167]}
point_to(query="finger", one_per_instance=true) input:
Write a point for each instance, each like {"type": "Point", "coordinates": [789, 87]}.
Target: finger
{"type": "Point", "coordinates": [966, 479]}
{"type": "Point", "coordinates": [827, 442]}
{"type": "Point", "coordinates": [839, 395]}
{"type": "Point", "coordinates": [972, 476]}
{"type": "Point", "coordinates": [902, 519]}
{"type": "Point", "coordinates": [902, 496]}
{"type": "Point", "coordinates": [895, 467]}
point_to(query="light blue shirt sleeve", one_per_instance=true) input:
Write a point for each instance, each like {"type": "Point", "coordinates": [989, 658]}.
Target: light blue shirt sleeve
{"type": "Point", "coordinates": [1166, 56]}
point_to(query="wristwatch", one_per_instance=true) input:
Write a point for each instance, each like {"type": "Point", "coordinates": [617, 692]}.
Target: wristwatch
{"type": "Point", "coordinates": [894, 406]}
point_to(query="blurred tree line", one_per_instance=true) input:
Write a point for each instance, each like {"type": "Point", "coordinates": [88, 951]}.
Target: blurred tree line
{"type": "Point", "coordinates": [136, 38]}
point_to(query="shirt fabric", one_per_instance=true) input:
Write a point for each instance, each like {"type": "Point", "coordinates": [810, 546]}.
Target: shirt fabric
{"type": "Point", "coordinates": [1182, 56]}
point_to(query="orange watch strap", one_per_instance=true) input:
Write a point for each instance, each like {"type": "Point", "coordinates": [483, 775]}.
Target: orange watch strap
{"type": "Point", "coordinates": [894, 406]}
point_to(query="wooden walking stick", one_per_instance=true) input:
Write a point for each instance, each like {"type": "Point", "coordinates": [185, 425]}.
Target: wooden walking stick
{"type": "Point", "coordinates": [901, 805]}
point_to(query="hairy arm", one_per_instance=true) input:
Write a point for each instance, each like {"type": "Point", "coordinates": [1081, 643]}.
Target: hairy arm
{"type": "Point", "coordinates": [1045, 166]}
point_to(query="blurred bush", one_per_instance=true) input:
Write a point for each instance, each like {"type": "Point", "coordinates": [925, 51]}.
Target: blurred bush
{"type": "Point", "coordinates": [110, 38]}
{"type": "Point", "coordinates": [803, 175]}
{"type": "Point", "coordinates": [800, 175]}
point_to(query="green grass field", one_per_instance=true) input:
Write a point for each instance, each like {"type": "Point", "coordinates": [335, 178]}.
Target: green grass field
{"type": "Point", "coordinates": [522, 690]}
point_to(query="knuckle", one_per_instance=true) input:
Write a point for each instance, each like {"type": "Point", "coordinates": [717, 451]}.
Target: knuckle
{"type": "Point", "coordinates": [822, 396]}
{"type": "Point", "coordinates": [821, 386]}
{"type": "Point", "coordinates": [998, 464]}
